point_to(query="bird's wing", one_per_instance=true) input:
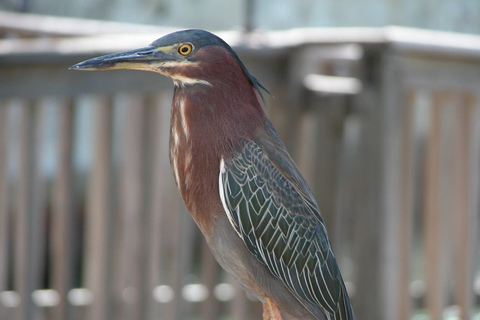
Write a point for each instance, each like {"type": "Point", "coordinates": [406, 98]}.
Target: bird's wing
{"type": "Point", "coordinates": [281, 225]}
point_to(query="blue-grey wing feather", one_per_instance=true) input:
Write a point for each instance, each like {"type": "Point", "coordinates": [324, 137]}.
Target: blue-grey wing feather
{"type": "Point", "coordinates": [281, 225]}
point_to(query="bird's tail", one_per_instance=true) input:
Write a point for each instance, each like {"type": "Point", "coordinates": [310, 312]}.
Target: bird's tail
{"type": "Point", "coordinates": [344, 310]}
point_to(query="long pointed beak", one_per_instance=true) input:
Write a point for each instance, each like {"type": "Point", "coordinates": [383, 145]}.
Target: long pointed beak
{"type": "Point", "coordinates": [141, 58]}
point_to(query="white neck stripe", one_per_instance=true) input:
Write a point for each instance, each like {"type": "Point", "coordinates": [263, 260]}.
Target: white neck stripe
{"type": "Point", "coordinates": [182, 81]}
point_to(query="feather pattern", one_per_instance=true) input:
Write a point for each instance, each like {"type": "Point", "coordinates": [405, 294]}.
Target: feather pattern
{"type": "Point", "coordinates": [282, 227]}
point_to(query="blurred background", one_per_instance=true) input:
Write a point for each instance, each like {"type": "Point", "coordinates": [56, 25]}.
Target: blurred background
{"type": "Point", "coordinates": [383, 121]}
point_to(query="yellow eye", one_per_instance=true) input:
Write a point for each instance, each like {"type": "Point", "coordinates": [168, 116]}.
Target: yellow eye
{"type": "Point", "coordinates": [185, 49]}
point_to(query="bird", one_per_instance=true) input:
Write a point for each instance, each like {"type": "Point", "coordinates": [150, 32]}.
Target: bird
{"type": "Point", "coordinates": [237, 179]}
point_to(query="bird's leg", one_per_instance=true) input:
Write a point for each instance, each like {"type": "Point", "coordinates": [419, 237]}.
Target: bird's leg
{"type": "Point", "coordinates": [270, 310]}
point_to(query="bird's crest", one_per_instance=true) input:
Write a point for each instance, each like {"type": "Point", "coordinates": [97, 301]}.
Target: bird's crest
{"type": "Point", "coordinates": [258, 86]}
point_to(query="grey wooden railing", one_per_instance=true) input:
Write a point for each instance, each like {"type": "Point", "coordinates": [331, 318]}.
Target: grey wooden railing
{"type": "Point", "coordinates": [91, 225]}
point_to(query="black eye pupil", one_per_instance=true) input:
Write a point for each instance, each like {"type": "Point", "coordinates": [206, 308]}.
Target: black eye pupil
{"type": "Point", "coordinates": [184, 49]}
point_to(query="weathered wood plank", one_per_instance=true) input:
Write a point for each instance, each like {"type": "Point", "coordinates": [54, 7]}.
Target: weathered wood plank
{"type": "Point", "coordinates": [466, 296]}
{"type": "Point", "coordinates": [367, 207]}
{"type": "Point", "coordinates": [63, 82]}
{"type": "Point", "coordinates": [436, 73]}
{"type": "Point", "coordinates": [239, 306]}
{"type": "Point", "coordinates": [31, 200]}
{"type": "Point", "coordinates": [98, 263]}
{"type": "Point", "coordinates": [378, 182]}
{"type": "Point", "coordinates": [154, 202]}
{"type": "Point", "coordinates": [4, 202]}
{"type": "Point", "coordinates": [210, 275]}
{"type": "Point", "coordinates": [185, 238]}
{"type": "Point", "coordinates": [131, 209]}
{"type": "Point", "coordinates": [62, 213]}
{"type": "Point", "coordinates": [447, 177]}
{"type": "Point", "coordinates": [32, 24]}
{"type": "Point", "coordinates": [407, 203]}
{"type": "Point", "coordinates": [432, 212]}
{"type": "Point", "coordinates": [22, 283]}
{"type": "Point", "coordinates": [466, 176]}
{"type": "Point", "coordinates": [158, 115]}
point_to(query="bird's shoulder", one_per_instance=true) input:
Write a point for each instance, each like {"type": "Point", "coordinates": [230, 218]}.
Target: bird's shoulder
{"type": "Point", "coordinates": [273, 149]}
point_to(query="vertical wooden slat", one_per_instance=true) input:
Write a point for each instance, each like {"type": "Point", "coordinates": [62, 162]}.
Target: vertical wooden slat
{"type": "Point", "coordinates": [30, 223]}
{"type": "Point", "coordinates": [173, 231]}
{"type": "Point", "coordinates": [466, 295]}
{"type": "Point", "coordinates": [239, 305]}
{"type": "Point", "coordinates": [407, 189]}
{"type": "Point", "coordinates": [318, 152]}
{"type": "Point", "coordinates": [447, 206]}
{"type": "Point", "coordinates": [187, 232]}
{"type": "Point", "coordinates": [132, 211]}
{"type": "Point", "coordinates": [23, 284]}
{"type": "Point", "coordinates": [4, 203]}
{"type": "Point", "coordinates": [62, 215]}
{"type": "Point", "coordinates": [466, 170]}
{"type": "Point", "coordinates": [474, 201]}
{"type": "Point", "coordinates": [153, 201]}
{"type": "Point", "coordinates": [149, 218]}
{"type": "Point", "coordinates": [431, 209]}
{"type": "Point", "coordinates": [39, 202]}
{"type": "Point", "coordinates": [343, 235]}
{"type": "Point", "coordinates": [98, 232]}
{"type": "Point", "coordinates": [210, 307]}
{"type": "Point", "coordinates": [159, 117]}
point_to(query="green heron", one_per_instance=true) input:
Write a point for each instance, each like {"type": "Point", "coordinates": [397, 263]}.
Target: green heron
{"type": "Point", "coordinates": [237, 179]}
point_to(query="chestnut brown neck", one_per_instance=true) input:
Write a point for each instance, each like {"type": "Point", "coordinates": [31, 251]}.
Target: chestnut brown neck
{"type": "Point", "coordinates": [209, 122]}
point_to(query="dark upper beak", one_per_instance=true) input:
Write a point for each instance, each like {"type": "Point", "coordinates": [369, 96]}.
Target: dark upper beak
{"type": "Point", "coordinates": [134, 59]}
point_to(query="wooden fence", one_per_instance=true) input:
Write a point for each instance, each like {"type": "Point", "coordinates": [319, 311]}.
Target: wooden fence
{"type": "Point", "coordinates": [384, 123]}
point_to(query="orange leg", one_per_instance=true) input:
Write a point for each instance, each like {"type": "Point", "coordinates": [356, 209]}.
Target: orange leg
{"type": "Point", "coordinates": [270, 310]}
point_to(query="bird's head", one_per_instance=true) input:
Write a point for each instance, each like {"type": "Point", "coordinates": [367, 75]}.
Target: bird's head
{"type": "Point", "coordinates": [188, 57]}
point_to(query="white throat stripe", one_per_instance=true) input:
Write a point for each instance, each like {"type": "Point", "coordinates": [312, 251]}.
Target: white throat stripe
{"type": "Point", "coordinates": [183, 81]}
